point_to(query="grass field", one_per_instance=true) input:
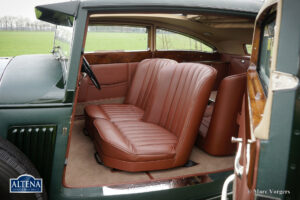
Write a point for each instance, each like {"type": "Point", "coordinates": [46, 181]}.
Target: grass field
{"type": "Point", "coordinates": [96, 41]}
{"type": "Point", "coordinates": [18, 43]}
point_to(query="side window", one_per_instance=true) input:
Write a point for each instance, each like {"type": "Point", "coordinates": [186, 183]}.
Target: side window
{"type": "Point", "coordinates": [266, 46]}
{"type": "Point", "coordinates": [167, 40]}
{"type": "Point", "coordinates": [248, 49]}
{"type": "Point", "coordinates": [116, 38]}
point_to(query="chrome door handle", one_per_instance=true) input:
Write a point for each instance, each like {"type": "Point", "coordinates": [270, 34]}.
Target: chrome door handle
{"type": "Point", "coordinates": [238, 168]}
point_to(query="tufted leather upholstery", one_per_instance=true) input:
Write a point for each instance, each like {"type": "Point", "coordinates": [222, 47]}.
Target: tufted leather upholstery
{"type": "Point", "coordinates": [165, 136]}
{"type": "Point", "coordinates": [219, 121]}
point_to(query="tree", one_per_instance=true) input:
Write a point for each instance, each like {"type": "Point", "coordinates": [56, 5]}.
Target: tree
{"type": "Point", "coordinates": [24, 24]}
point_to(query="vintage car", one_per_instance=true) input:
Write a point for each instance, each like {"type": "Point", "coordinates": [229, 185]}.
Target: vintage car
{"type": "Point", "coordinates": [156, 99]}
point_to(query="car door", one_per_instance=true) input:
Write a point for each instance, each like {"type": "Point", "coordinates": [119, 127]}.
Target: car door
{"type": "Point", "coordinates": [262, 158]}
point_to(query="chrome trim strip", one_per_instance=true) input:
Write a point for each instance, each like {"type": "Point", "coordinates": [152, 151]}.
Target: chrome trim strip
{"type": "Point", "coordinates": [154, 185]}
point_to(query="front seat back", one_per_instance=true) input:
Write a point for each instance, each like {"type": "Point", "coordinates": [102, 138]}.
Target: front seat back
{"type": "Point", "coordinates": [144, 80]}
{"type": "Point", "coordinates": [179, 103]}
{"type": "Point", "coordinates": [223, 124]}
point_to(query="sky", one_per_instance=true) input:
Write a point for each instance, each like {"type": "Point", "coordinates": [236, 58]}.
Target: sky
{"type": "Point", "coordinates": [22, 8]}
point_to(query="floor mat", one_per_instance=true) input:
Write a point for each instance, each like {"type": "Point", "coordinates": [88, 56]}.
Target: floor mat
{"type": "Point", "coordinates": [82, 169]}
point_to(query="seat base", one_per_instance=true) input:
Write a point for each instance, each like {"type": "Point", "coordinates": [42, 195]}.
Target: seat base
{"type": "Point", "coordinates": [134, 166]}
{"type": "Point", "coordinates": [134, 145]}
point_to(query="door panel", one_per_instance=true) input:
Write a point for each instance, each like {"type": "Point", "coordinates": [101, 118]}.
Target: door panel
{"type": "Point", "coordinates": [114, 71]}
{"type": "Point", "coordinates": [238, 64]}
{"type": "Point", "coordinates": [245, 184]}
{"type": "Point", "coordinates": [115, 80]}
{"type": "Point", "coordinates": [257, 108]}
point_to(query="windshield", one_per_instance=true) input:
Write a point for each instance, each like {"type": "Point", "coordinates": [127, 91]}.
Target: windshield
{"type": "Point", "coordinates": [62, 45]}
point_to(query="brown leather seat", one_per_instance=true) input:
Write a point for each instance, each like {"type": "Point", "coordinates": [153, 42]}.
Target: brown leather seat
{"type": "Point", "coordinates": [219, 122]}
{"type": "Point", "coordinates": [166, 135]}
{"type": "Point", "coordinates": [137, 98]}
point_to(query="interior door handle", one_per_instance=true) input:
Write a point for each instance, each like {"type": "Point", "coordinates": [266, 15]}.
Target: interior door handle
{"type": "Point", "coordinates": [238, 168]}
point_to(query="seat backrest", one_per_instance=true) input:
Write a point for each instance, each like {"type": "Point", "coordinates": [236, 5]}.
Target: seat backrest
{"type": "Point", "coordinates": [144, 79]}
{"type": "Point", "coordinates": [223, 123]}
{"type": "Point", "coordinates": [178, 102]}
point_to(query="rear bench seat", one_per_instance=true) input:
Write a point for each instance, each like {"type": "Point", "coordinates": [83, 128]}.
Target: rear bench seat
{"type": "Point", "coordinates": [164, 135]}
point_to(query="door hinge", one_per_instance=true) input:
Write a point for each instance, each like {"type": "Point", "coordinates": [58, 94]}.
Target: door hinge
{"type": "Point", "coordinates": [284, 81]}
{"type": "Point", "coordinates": [66, 161]}
{"type": "Point", "coordinates": [65, 131]}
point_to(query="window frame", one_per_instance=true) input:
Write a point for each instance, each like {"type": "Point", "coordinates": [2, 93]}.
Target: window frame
{"type": "Point", "coordinates": [184, 34]}
{"type": "Point", "coordinates": [269, 19]}
{"type": "Point", "coordinates": [151, 30]}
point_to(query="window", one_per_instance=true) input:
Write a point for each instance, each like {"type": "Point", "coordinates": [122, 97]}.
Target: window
{"type": "Point", "coordinates": [266, 47]}
{"type": "Point", "coordinates": [116, 38]}
{"type": "Point", "coordinates": [63, 40]}
{"type": "Point", "coordinates": [248, 49]}
{"type": "Point", "coordinates": [167, 40]}
{"type": "Point", "coordinates": [62, 46]}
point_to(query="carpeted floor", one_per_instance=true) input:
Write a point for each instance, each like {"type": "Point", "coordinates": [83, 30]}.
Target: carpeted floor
{"type": "Point", "coordinates": [82, 169]}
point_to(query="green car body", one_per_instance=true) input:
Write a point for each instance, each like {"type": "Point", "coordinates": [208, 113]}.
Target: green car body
{"type": "Point", "coordinates": [37, 95]}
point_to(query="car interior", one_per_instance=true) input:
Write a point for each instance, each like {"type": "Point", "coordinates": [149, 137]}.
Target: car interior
{"type": "Point", "coordinates": [171, 89]}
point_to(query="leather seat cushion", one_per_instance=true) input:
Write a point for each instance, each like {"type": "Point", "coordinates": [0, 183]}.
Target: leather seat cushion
{"type": "Point", "coordinates": [133, 140]}
{"type": "Point", "coordinates": [114, 112]}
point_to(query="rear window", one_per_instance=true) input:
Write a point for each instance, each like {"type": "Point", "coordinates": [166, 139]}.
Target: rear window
{"type": "Point", "coordinates": [167, 40]}
{"type": "Point", "coordinates": [116, 38]}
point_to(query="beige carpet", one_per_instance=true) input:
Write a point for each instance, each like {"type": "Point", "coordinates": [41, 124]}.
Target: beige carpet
{"type": "Point", "coordinates": [82, 169]}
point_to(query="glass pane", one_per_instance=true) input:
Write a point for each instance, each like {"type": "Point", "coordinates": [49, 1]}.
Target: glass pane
{"type": "Point", "coordinates": [166, 40]}
{"type": "Point", "coordinates": [266, 52]}
{"type": "Point", "coordinates": [249, 48]}
{"type": "Point", "coordinates": [116, 38]}
{"type": "Point", "coordinates": [63, 45]}
{"type": "Point", "coordinates": [63, 40]}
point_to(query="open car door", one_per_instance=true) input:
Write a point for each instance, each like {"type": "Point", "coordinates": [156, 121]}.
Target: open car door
{"type": "Point", "coordinates": [261, 166]}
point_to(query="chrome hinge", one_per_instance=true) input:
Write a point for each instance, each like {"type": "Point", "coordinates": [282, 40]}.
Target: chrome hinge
{"type": "Point", "coordinates": [65, 131]}
{"type": "Point", "coordinates": [284, 81]}
{"type": "Point", "coordinates": [66, 161]}
{"type": "Point", "coordinates": [83, 75]}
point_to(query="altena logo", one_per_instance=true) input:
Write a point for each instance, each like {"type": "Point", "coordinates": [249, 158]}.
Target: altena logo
{"type": "Point", "coordinates": [25, 183]}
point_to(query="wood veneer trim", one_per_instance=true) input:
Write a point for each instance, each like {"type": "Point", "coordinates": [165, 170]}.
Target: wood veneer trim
{"type": "Point", "coordinates": [256, 97]}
